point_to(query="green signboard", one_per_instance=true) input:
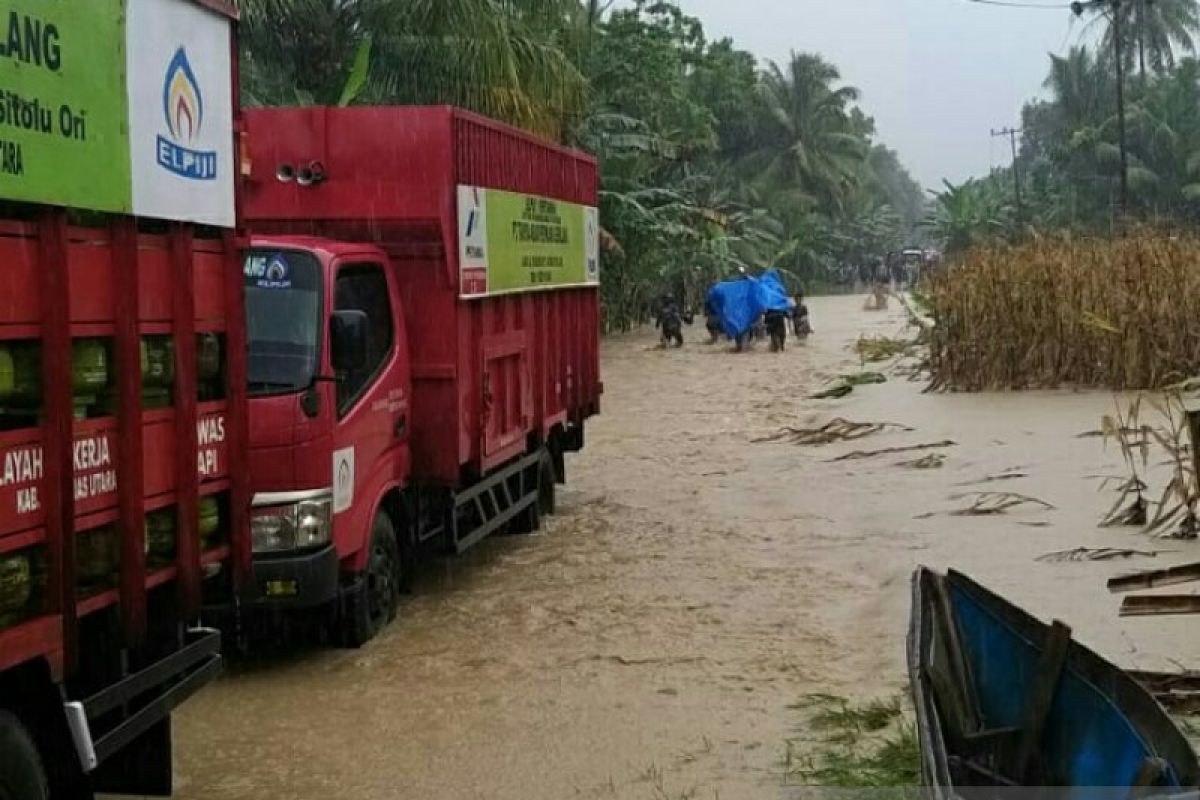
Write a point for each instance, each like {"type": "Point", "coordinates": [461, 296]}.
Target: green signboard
{"type": "Point", "coordinates": [63, 106]}
{"type": "Point", "coordinates": [511, 242]}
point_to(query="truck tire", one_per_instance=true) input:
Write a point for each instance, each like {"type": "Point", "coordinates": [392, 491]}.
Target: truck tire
{"type": "Point", "coordinates": [547, 484]}
{"type": "Point", "coordinates": [21, 773]}
{"type": "Point", "coordinates": [371, 609]}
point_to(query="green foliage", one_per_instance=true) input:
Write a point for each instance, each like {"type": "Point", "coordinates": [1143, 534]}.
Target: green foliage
{"type": "Point", "coordinates": [711, 162]}
{"type": "Point", "coordinates": [504, 58]}
{"type": "Point", "coordinates": [968, 214]}
{"type": "Point", "coordinates": [859, 746]}
{"type": "Point", "coordinates": [358, 73]}
{"type": "Point", "coordinates": [1070, 154]}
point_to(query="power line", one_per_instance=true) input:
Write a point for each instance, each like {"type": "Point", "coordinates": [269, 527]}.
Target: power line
{"type": "Point", "coordinates": [1018, 4]}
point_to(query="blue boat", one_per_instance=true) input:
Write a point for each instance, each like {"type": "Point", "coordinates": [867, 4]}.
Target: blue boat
{"type": "Point", "coordinates": [1004, 700]}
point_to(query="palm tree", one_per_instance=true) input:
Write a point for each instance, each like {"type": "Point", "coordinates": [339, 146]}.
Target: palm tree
{"type": "Point", "coordinates": [503, 58]}
{"type": "Point", "coordinates": [1152, 30]}
{"type": "Point", "coordinates": [812, 147]}
{"type": "Point", "coordinates": [1080, 87]}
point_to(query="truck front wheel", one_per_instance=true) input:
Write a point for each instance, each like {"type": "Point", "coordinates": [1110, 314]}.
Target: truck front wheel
{"type": "Point", "coordinates": [374, 605]}
{"type": "Point", "coordinates": [21, 773]}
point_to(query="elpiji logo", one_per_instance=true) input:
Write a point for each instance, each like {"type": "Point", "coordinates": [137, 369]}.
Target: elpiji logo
{"type": "Point", "coordinates": [183, 108]}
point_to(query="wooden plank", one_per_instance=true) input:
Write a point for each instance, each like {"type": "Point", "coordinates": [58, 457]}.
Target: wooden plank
{"type": "Point", "coordinates": [1152, 579]}
{"type": "Point", "coordinates": [1160, 604]}
{"type": "Point", "coordinates": [1041, 697]}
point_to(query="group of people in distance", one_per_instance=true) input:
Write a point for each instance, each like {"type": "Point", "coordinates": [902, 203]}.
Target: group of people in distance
{"type": "Point", "coordinates": [670, 318]}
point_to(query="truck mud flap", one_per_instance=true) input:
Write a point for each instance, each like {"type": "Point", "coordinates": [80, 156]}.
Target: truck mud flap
{"type": "Point", "coordinates": [132, 717]}
{"type": "Point", "coordinates": [493, 502]}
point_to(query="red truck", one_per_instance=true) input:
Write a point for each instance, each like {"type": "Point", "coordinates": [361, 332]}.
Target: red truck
{"type": "Point", "coordinates": [423, 325]}
{"type": "Point", "coordinates": [124, 506]}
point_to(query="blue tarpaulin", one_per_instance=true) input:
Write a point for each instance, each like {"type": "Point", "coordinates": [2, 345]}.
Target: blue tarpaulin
{"type": "Point", "coordinates": [737, 304]}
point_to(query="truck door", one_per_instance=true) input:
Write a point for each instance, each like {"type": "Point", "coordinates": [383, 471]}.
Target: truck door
{"type": "Point", "coordinates": [507, 396]}
{"type": "Point", "coordinates": [372, 403]}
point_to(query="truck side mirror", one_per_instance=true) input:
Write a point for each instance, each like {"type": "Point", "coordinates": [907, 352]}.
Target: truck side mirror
{"type": "Point", "coordinates": [348, 340]}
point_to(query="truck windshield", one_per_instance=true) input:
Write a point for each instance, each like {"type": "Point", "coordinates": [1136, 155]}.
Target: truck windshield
{"type": "Point", "coordinates": [283, 313]}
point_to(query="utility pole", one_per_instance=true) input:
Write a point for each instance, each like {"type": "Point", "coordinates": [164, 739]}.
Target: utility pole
{"type": "Point", "coordinates": [1011, 133]}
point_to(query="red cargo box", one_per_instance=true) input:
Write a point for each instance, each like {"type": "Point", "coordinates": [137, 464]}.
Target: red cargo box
{"type": "Point", "coordinates": [489, 371]}
{"type": "Point", "coordinates": [118, 289]}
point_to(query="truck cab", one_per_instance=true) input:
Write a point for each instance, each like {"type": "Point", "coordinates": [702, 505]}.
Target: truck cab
{"type": "Point", "coordinates": [422, 306]}
{"type": "Point", "coordinates": [329, 385]}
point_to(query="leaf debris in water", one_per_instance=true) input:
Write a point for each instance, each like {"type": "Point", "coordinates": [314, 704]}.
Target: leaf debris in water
{"type": "Point", "coordinates": [931, 461]}
{"type": "Point", "coordinates": [1100, 554]}
{"type": "Point", "coordinates": [993, 503]}
{"type": "Point", "coordinates": [857, 454]}
{"type": "Point", "coordinates": [836, 430]}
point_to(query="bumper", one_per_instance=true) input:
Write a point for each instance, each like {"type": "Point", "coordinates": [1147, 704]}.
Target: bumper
{"type": "Point", "coordinates": [296, 580]}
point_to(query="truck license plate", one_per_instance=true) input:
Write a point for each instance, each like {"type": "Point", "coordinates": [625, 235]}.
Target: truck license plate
{"type": "Point", "coordinates": [281, 588]}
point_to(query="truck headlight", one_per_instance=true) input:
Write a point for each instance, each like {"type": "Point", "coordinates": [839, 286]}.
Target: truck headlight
{"type": "Point", "coordinates": [313, 523]}
{"type": "Point", "coordinates": [295, 526]}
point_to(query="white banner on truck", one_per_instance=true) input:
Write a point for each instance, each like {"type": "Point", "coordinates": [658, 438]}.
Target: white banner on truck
{"type": "Point", "coordinates": [180, 112]}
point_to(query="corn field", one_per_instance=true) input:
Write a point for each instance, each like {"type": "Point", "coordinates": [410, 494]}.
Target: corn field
{"type": "Point", "coordinates": [1068, 312]}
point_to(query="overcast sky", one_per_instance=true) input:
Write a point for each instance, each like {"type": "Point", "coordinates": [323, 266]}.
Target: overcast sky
{"type": "Point", "coordinates": [937, 75]}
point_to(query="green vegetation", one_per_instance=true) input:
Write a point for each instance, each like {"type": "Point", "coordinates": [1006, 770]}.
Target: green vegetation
{"type": "Point", "coordinates": [1069, 162]}
{"type": "Point", "coordinates": [711, 160]}
{"type": "Point", "coordinates": [849, 745]}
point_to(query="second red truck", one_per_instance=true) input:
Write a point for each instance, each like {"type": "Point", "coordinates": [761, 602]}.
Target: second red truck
{"type": "Point", "coordinates": [423, 326]}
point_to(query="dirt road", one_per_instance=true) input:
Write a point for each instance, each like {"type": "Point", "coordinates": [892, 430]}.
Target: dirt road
{"type": "Point", "coordinates": [649, 642]}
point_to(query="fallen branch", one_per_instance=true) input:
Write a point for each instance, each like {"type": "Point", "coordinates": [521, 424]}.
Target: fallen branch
{"type": "Point", "coordinates": [992, 503]}
{"type": "Point", "coordinates": [1101, 554]}
{"type": "Point", "coordinates": [1007, 476]}
{"type": "Point", "coordinates": [857, 454]}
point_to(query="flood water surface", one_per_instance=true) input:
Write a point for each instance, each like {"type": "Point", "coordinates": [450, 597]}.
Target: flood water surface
{"type": "Point", "coordinates": [654, 639]}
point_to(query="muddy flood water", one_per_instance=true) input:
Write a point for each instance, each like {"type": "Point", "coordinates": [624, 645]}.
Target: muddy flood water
{"type": "Point", "coordinates": [654, 639]}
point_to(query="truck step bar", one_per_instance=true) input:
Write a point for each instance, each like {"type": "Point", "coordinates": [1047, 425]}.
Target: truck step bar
{"type": "Point", "coordinates": [143, 699]}
{"type": "Point", "coordinates": [493, 502]}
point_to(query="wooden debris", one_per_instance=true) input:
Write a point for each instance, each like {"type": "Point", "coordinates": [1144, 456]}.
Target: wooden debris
{"type": "Point", "coordinates": [931, 461]}
{"type": "Point", "coordinates": [860, 454]}
{"type": "Point", "coordinates": [1101, 554]}
{"type": "Point", "coordinates": [836, 430]}
{"type": "Point", "coordinates": [1179, 692]}
{"type": "Point", "coordinates": [1172, 576]}
{"type": "Point", "coordinates": [1160, 605]}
